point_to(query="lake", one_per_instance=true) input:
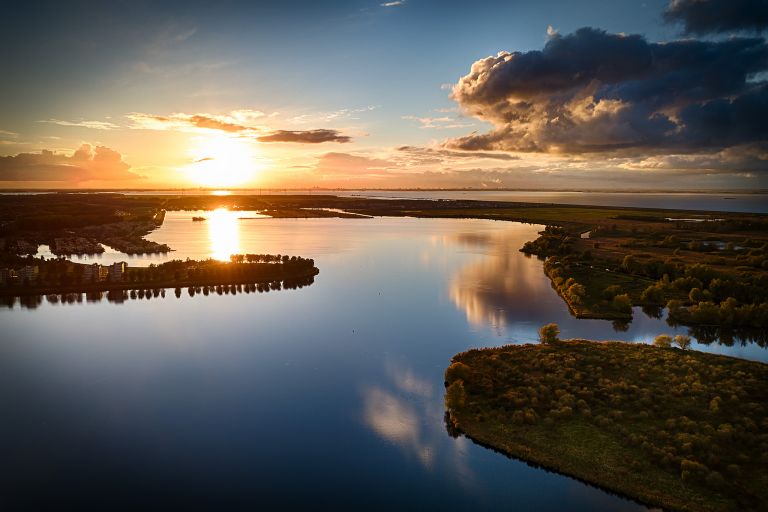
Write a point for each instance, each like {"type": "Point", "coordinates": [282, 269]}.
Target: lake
{"type": "Point", "coordinates": [325, 397]}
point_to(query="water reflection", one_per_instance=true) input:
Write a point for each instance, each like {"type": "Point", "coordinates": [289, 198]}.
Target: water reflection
{"type": "Point", "coordinates": [397, 421]}
{"type": "Point", "coordinates": [509, 293]}
{"type": "Point", "coordinates": [503, 286]}
{"type": "Point", "coordinates": [224, 233]}
{"type": "Point", "coordinates": [406, 411]}
{"type": "Point", "coordinates": [121, 296]}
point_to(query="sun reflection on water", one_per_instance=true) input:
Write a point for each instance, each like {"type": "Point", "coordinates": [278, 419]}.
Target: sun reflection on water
{"type": "Point", "coordinates": [224, 233]}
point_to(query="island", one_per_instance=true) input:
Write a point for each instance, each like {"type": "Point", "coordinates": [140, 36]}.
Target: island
{"type": "Point", "coordinates": [665, 426]}
{"type": "Point", "coordinates": [258, 272]}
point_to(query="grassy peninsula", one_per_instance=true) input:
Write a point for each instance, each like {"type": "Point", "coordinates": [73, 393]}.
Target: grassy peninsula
{"type": "Point", "coordinates": [673, 428]}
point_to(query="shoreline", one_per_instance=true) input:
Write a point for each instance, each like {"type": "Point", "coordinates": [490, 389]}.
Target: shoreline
{"type": "Point", "coordinates": [107, 287]}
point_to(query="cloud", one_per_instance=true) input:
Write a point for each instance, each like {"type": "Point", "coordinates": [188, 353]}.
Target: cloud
{"type": "Point", "coordinates": [94, 125]}
{"type": "Point", "coordinates": [396, 3]}
{"type": "Point", "coordinates": [438, 123]}
{"type": "Point", "coordinates": [718, 16]}
{"type": "Point", "coordinates": [742, 159]}
{"type": "Point", "coordinates": [592, 92]}
{"type": "Point", "coordinates": [344, 113]}
{"type": "Point", "coordinates": [238, 122]}
{"type": "Point", "coordinates": [85, 164]}
{"type": "Point", "coordinates": [447, 154]}
{"type": "Point", "coordinates": [191, 122]}
{"type": "Point", "coordinates": [351, 165]}
{"type": "Point", "coordinates": [305, 136]}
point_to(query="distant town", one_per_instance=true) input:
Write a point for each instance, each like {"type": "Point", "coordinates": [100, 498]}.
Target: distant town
{"type": "Point", "coordinates": [63, 280]}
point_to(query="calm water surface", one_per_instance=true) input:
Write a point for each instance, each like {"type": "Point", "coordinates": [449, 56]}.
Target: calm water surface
{"type": "Point", "coordinates": [326, 396]}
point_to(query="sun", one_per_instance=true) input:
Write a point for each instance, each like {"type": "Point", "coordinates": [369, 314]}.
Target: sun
{"type": "Point", "coordinates": [223, 161]}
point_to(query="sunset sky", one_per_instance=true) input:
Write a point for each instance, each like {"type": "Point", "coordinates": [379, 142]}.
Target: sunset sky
{"type": "Point", "coordinates": [408, 93]}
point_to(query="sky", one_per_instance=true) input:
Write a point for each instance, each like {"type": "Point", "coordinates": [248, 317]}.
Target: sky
{"type": "Point", "coordinates": [545, 94]}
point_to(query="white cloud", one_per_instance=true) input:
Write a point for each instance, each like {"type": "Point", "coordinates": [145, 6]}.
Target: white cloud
{"type": "Point", "coordinates": [94, 125]}
{"type": "Point", "coordinates": [439, 123]}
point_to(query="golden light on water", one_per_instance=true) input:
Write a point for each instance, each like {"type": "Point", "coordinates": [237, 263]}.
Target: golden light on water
{"type": "Point", "coordinates": [224, 233]}
{"type": "Point", "coordinates": [223, 160]}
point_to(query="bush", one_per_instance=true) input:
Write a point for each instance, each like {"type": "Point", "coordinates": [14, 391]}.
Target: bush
{"type": "Point", "coordinates": [549, 334]}
{"type": "Point", "coordinates": [455, 395]}
{"type": "Point", "coordinates": [611, 291]}
{"type": "Point", "coordinates": [663, 340]}
{"type": "Point", "coordinates": [457, 371]}
{"type": "Point", "coordinates": [683, 341]}
{"type": "Point", "coordinates": [622, 303]}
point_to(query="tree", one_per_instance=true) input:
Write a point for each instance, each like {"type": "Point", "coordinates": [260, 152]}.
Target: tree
{"type": "Point", "coordinates": [549, 334]}
{"type": "Point", "coordinates": [455, 395]}
{"type": "Point", "coordinates": [611, 291]}
{"type": "Point", "coordinates": [663, 340]}
{"type": "Point", "coordinates": [683, 341]}
{"type": "Point", "coordinates": [622, 303]}
{"type": "Point", "coordinates": [629, 263]}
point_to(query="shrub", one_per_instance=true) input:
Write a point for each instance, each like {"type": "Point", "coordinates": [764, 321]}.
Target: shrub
{"type": "Point", "coordinates": [622, 303]}
{"type": "Point", "coordinates": [663, 340]}
{"type": "Point", "coordinates": [683, 341]}
{"type": "Point", "coordinates": [455, 395]}
{"type": "Point", "coordinates": [549, 334]}
{"type": "Point", "coordinates": [456, 371]}
{"type": "Point", "coordinates": [611, 291]}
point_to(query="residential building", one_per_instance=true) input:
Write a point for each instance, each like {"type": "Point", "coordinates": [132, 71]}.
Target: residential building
{"type": "Point", "coordinates": [117, 271]}
{"type": "Point", "coordinates": [30, 273]}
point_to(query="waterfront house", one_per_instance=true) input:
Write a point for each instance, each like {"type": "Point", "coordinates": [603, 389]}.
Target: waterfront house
{"type": "Point", "coordinates": [30, 273]}
{"type": "Point", "coordinates": [117, 271]}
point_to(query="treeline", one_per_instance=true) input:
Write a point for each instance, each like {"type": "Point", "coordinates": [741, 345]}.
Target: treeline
{"type": "Point", "coordinates": [242, 267]}
{"type": "Point", "coordinates": [612, 302]}
{"type": "Point", "coordinates": [271, 258]}
{"type": "Point", "coordinates": [694, 293]}
{"type": "Point", "coordinates": [552, 241]}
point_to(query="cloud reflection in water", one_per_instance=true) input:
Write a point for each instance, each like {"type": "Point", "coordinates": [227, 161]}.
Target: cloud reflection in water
{"type": "Point", "coordinates": [407, 412]}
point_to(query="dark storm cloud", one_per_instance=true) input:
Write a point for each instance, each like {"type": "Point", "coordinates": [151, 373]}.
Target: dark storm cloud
{"type": "Point", "coordinates": [85, 164]}
{"type": "Point", "coordinates": [305, 137]}
{"type": "Point", "coordinates": [592, 91]}
{"type": "Point", "coordinates": [718, 16]}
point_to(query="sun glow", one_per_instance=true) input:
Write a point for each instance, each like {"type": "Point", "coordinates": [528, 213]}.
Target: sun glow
{"type": "Point", "coordinates": [224, 161]}
{"type": "Point", "coordinates": [224, 233]}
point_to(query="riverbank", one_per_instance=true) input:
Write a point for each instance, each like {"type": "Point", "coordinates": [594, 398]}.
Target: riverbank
{"type": "Point", "coordinates": [63, 277]}
{"type": "Point", "coordinates": [679, 429]}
